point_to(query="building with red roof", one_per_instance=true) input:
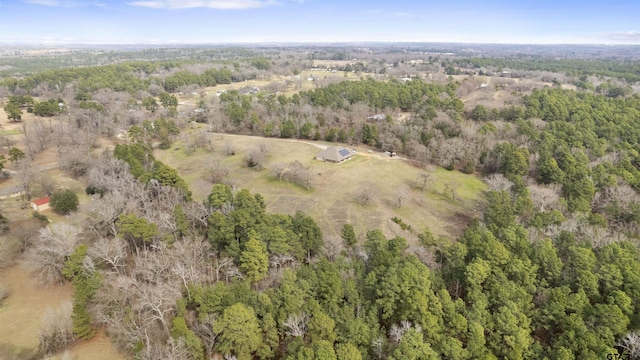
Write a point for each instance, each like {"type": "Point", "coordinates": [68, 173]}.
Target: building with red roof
{"type": "Point", "coordinates": [40, 204]}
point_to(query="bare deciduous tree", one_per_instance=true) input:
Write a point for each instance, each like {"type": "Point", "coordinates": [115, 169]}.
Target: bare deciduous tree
{"type": "Point", "coordinates": [218, 172]}
{"type": "Point", "coordinates": [400, 195]}
{"type": "Point", "coordinates": [221, 264]}
{"type": "Point", "coordinates": [156, 303]}
{"type": "Point", "coordinates": [631, 343]}
{"type": "Point", "coordinates": [197, 214]}
{"type": "Point", "coordinates": [204, 330]}
{"type": "Point", "coordinates": [365, 193]}
{"type": "Point", "coordinates": [377, 345]}
{"type": "Point", "coordinates": [111, 252]}
{"type": "Point", "coordinates": [257, 157]}
{"type": "Point", "coordinates": [451, 151]}
{"type": "Point", "coordinates": [425, 179]}
{"type": "Point", "coordinates": [25, 175]}
{"type": "Point", "coordinates": [202, 141]}
{"type": "Point", "coordinates": [56, 330]}
{"type": "Point", "coordinates": [451, 190]}
{"type": "Point", "coordinates": [545, 198]}
{"type": "Point", "coordinates": [47, 183]}
{"type": "Point", "coordinates": [396, 331]}
{"type": "Point", "coordinates": [174, 349]}
{"type": "Point", "coordinates": [299, 174]}
{"type": "Point", "coordinates": [229, 149]}
{"type": "Point", "coordinates": [190, 263]}
{"type": "Point", "coordinates": [111, 307]}
{"type": "Point", "coordinates": [49, 252]}
{"type": "Point", "coordinates": [297, 324]}
{"type": "Point", "coordinates": [279, 170]}
{"type": "Point", "coordinates": [74, 159]}
{"type": "Point", "coordinates": [277, 261]}
{"type": "Point", "coordinates": [497, 182]}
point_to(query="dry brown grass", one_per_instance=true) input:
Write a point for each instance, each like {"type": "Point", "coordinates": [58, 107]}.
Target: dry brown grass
{"type": "Point", "coordinates": [499, 91]}
{"type": "Point", "coordinates": [290, 85]}
{"type": "Point", "coordinates": [331, 197]}
{"type": "Point", "coordinates": [22, 311]}
{"type": "Point", "coordinates": [21, 316]}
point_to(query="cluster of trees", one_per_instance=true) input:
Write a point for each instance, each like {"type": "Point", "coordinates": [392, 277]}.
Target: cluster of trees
{"type": "Point", "coordinates": [412, 96]}
{"type": "Point", "coordinates": [239, 224]}
{"type": "Point", "coordinates": [339, 112]}
{"type": "Point", "coordinates": [147, 169]}
{"type": "Point", "coordinates": [495, 295]}
{"type": "Point", "coordinates": [14, 106]}
{"type": "Point", "coordinates": [163, 130]}
{"type": "Point", "coordinates": [210, 77]}
{"type": "Point", "coordinates": [588, 146]}
{"type": "Point", "coordinates": [129, 77]}
{"type": "Point", "coordinates": [47, 108]}
{"type": "Point", "coordinates": [121, 77]}
{"type": "Point", "coordinates": [16, 103]}
{"type": "Point", "coordinates": [293, 172]}
{"type": "Point", "coordinates": [626, 70]}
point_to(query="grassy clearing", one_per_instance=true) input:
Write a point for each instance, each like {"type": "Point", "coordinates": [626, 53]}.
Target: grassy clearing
{"type": "Point", "coordinates": [330, 201]}
{"type": "Point", "coordinates": [21, 316]}
{"type": "Point", "coordinates": [10, 132]}
{"type": "Point", "coordinates": [292, 85]}
{"type": "Point", "coordinates": [22, 313]}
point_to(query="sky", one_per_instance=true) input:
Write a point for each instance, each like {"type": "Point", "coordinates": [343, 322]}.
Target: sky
{"type": "Point", "coordinates": [319, 21]}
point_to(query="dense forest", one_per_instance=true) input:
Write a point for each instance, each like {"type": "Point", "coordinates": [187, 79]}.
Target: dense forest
{"type": "Point", "coordinates": [551, 269]}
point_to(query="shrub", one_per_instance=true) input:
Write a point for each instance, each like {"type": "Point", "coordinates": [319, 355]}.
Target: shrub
{"type": "Point", "coordinates": [92, 190]}
{"type": "Point", "coordinates": [63, 202]}
{"type": "Point", "coordinates": [38, 216]}
{"type": "Point", "coordinates": [4, 224]}
{"type": "Point", "coordinates": [5, 291]}
{"type": "Point", "coordinates": [402, 224]}
{"type": "Point", "coordinates": [256, 158]}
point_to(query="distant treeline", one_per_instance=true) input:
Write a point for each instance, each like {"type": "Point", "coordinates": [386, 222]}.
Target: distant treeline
{"type": "Point", "coordinates": [624, 70]}
{"type": "Point", "coordinates": [24, 65]}
{"type": "Point", "coordinates": [122, 77]}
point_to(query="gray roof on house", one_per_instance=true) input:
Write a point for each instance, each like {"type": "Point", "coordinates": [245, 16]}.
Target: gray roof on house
{"type": "Point", "coordinates": [336, 154]}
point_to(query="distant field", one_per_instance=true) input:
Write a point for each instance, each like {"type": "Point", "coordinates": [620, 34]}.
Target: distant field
{"type": "Point", "coordinates": [288, 85]}
{"type": "Point", "coordinates": [330, 200]}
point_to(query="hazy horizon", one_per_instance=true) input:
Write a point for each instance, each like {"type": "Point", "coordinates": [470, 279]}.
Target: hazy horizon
{"type": "Point", "coordinates": [295, 43]}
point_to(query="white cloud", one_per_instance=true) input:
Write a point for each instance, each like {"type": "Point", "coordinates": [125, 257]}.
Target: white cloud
{"type": "Point", "coordinates": [52, 3]}
{"type": "Point", "coordinates": [64, 3]}
{"type": "Point", "coordinates": [404, 16]}
{"type": "Point", "coordinates": [212, 4]}
{"type": "Point", "coordinates": [623, 36]}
